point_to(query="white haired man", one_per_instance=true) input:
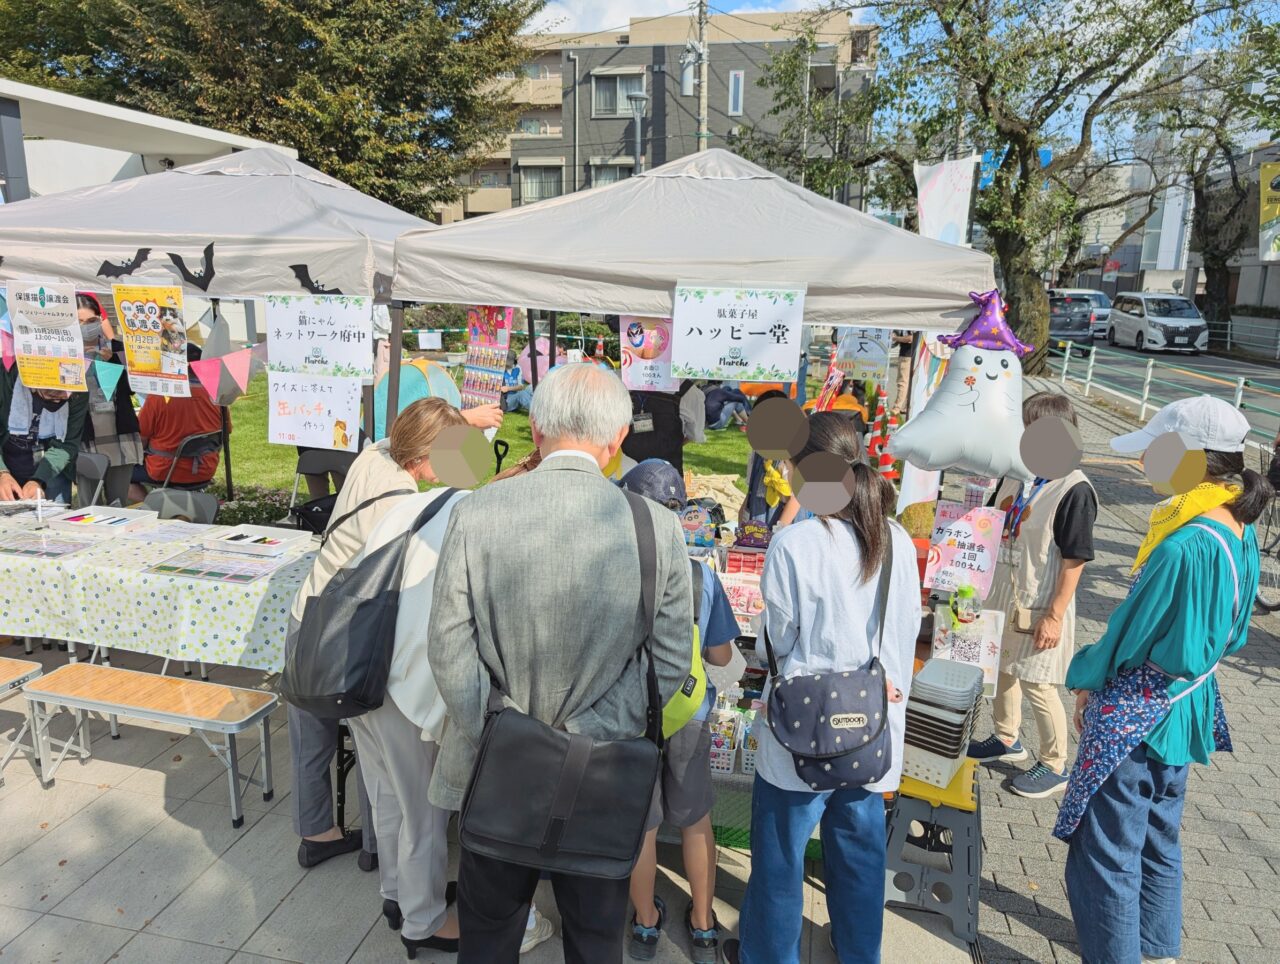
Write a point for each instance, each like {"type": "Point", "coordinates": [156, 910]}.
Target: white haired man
{"type": "Point", "coordinates": [520, 560]}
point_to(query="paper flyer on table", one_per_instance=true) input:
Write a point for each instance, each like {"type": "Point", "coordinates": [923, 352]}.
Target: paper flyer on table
{"type": "Point", "coordinates": [646, 354]}
{"type": "Point", "coordinates": [963, 548]}
{"type": "Point", "coordinates": [320, 334]}
{"type": "Point", "coordinates": [320, 411]}
{"type": "Point", "coordinates": [976, 643]}
{"type": "Point", "coordinates": [154, 332]}
{"type": "Point", "coordinates": [737, 334]}
{"type": "Point", "coordinates": [46, 335]}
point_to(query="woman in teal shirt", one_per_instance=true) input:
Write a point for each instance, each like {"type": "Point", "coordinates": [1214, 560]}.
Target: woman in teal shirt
{"type": "Point", "coordinates": [1148, 704]}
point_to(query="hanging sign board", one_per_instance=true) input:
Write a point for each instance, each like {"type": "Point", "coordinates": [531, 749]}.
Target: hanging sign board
{"type": "Point", "coordinates": [154, 333]}
{"type": "Point", "coordinates": [737, 334]}
{"type": "Point", "coordinates": [646, 354]}
{"type": "Point", "coordinates": [46, 335]}
{"type": "Point", "coordinates": [863, 354]}
{"type": "Point", "coordinates": [320, 334]}
{"type": "Point", "coordinates": [963, 548]}
{"type": "Point", "coordinates": [319, 411]}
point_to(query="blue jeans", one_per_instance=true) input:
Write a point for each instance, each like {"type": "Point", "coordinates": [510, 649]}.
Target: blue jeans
{"type": "Point", "coordinates": [518, 401]}
{"type": "Point", "coordinates": [727, 413]}
{"type": "Point", "coordinates": [853, 852]}
{"type": "Point", "coordinates": [1124, 864]}
{"type": "Point", "coordinates": [59, 490]}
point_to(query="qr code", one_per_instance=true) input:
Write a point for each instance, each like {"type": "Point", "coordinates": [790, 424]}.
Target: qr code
{"type": "Point", "coordinates": [965, 649]}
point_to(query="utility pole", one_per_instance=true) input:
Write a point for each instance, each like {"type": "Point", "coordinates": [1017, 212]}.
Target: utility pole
{"type": "Point", "coordinates": [704, 135]}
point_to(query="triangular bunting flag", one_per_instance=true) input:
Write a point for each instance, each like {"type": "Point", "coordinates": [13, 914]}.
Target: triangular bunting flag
{"type": "Point", "coordinates": [238, 364]}
{"type": "Point", "coordinates": [259, 354]}
{"type": "Point", "coordinates": [218, 341]}
{"type": "Point", "coordinates": [6, 349]}
{"type": "Point", "coordinates": [228, 390]}
{"type": "Point", "coordinates": [108, 374]}
{"type": "Point", "coordinates": [208, 371]}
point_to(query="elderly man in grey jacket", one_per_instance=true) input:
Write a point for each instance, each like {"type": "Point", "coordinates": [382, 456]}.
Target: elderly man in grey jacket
{"type": "Point", "coordinates": [538, 583]}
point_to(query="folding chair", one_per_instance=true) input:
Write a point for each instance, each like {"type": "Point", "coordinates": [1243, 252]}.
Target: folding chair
{"type": "Point", "coordinates": [91, 470]}
{"type": "Point", "coordinates": [199, 507]}
{"type": "Point", "coordinates": [192, 447]}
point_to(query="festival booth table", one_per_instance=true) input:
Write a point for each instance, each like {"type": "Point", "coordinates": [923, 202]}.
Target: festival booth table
{"type": "Point", "coordinates": [710, 219]}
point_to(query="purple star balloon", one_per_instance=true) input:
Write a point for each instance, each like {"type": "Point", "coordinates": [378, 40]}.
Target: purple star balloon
{"type": "Point", "coordinates": [989, 330]}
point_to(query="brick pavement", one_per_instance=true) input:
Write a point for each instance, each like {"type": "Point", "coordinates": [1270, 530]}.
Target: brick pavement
{"type": "Point", "coordinates": [1231, 825]}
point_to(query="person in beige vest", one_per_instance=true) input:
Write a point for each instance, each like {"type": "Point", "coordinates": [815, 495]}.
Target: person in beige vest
{"type": "Point", "coordinates": [1048, 540]}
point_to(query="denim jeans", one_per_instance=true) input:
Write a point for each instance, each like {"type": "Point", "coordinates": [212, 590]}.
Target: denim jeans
{"type": "Point", "coordinates": [853, 852]}
{"type": "Point", "coordinates": [1124, 864]}
{"type": "Point", "coordinates": [727, 413]}
{"type": "Point", "coordinates": [518, 401]}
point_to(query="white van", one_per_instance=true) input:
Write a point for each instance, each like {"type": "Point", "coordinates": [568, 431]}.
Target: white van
{"type": "Point", "coordinates": [1157, 321]}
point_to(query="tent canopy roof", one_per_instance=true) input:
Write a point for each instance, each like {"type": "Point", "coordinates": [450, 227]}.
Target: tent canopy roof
{"type": "Point", "coordinates": [709, 218]}
{"type": "Point", "coordinates": [263, 211]}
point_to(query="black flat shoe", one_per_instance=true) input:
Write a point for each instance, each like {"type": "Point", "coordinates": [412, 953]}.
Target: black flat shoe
{"type": "Point", "coordinates": [367, 861]}
{"type": "Point", "coordinates": [449, 945]}
{"type": "Point", "coordinates": [391, 911]}
{"type": "Point", "coordinates": [313, 852]}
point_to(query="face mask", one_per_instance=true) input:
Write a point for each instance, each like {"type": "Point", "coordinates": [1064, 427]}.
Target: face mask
{"type": "Point", "coordinates": [52, 404]}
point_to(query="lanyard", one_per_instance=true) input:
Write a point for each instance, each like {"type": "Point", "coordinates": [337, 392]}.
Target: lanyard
{"type": "Point", "coordinates": [1020, 506]}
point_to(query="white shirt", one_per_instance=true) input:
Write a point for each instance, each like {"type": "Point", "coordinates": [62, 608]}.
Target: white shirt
{"type": "Point", "coordinates": [411, 684]}
{"type": "Point", "coordinates": [821, 617]}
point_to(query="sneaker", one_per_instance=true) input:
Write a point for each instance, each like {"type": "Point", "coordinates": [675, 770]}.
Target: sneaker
{"type": "Point", "coordinates": [1038, 782]}
{"type": "Point", "coordinates": [539, 933]}
{"type": "Point", "coordinates": [705, 945]}
{"type": "Point", "coordinates": [993, 748]}
{"type": "Point", "coordinates": [643, 945]}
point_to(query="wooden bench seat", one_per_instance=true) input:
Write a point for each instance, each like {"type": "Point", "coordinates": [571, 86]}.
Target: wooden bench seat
{"type": "Point", "coordinates": [81, 688]}
{"type": "Point", "coordinates": [14, 673]}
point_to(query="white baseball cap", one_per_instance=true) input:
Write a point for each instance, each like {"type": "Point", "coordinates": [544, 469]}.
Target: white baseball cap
{"type": "Point", "coordinates": [1203, 422]}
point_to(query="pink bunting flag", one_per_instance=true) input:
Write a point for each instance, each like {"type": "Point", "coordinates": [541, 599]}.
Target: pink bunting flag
{"type": "Point", "coordinates": [237, 364]}
{"type": "Point", "coordinates": [208, 371]}
{"type": "Point", "coordinates": [6, 349]}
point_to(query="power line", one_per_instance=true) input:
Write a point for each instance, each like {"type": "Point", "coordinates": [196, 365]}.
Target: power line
{"type": "Point", "coordinates": [626, 26]}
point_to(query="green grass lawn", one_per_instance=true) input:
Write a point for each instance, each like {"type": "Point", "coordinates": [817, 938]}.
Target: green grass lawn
{"type": "Point", "coordinates": [255, 461]}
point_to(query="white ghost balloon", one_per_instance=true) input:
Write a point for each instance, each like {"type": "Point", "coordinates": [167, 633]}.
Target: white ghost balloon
{"type": "Point", "coordinates": [973, 422]}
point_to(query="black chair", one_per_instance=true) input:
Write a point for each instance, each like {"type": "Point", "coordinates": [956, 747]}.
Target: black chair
{"type": "Point", "coordinates": [193, 447]}
{"type": "Point", "coordinates": [91, 469]}
{"type": "Point", "coordinates": [314, 514]}
{"type": "Point", "coordinates": [199, 507]}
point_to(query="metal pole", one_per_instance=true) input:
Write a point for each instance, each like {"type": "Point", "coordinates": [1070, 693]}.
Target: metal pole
{"type": "Point", "coordinates": [1146, 390]}
{"type": "Point", "coordinates": [226, 450]}
{"type": "Point", "coordinates": [13, 156]}
{"type": "Point", "coordinates": [551, 337]}
{"type": "Point", "coordinates": [1229, 327]}
{"type": "Point", "coordinates": [1066, 363]}
{"type": "Point", "coordinates": [366, 399]}
{"type": "Point", "coordinates": [1088, 375]}
{"type": "Point", "coordinates": [1239, 399]}
{"type": "Point", "coordinates": [704, 135]}
{"type": "Point", "coordinates": [637, 118]}
{"type": "Point", "coordinates": [393, 373]}
{"type": "Point", "coordinates": [533, 353]}
{"type": "Point", "coordinates": [577, 166]}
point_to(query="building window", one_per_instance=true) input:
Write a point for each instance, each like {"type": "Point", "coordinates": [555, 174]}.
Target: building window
{"type": "Point", "coordinates": [540, 183]}
{"type": "Point", "coordinates": [491, 179]}
{"type": "Point", "coordinates": [609, 94]}
{"type": "Point", "coordinates": [602, 174]}
{"type": "Point", "coordinates": [736, 82]}
{"type": "Point", "coordinates": [531, 125]}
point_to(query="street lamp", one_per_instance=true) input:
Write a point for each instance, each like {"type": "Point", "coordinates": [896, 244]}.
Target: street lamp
{"type": "Point", "coordinates": [638, 102]}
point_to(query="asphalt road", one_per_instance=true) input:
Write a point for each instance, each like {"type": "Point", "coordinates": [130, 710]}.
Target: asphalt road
{"type": "Point", "coordinates": [1178, 375]}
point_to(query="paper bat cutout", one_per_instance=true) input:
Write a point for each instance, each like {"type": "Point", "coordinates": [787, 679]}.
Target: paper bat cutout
{"type": "Point", "coordinates": [303, 273]}
{"type": "Point", "coordinates": [110, 269]}
{"type": "Point", "coordinates": [201, 280]}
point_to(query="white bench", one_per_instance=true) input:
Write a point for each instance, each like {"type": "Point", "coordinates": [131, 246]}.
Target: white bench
{"type": "Point", "coordinates": [82, 688]}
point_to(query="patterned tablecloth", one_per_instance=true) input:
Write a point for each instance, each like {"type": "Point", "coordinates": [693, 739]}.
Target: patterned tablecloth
{"type": "Point", "coordinates": [103, 595]}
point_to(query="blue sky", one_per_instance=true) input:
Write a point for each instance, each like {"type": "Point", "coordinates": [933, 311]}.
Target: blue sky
{"type": "Point", "coordinates": [574, 15]}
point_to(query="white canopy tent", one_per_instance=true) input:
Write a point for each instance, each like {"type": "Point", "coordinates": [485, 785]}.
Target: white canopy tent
{"type": "Point", "coordinates": [708, 218]}
{"type": "Point", "coordinates": [253, 223]}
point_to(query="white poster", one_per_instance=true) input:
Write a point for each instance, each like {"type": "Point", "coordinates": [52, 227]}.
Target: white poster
{"type": "Point", "coordinates": [737, 334]}
{"type": "Point", "coordinates": [927, 368]}
{"type": "Point", "coordinates": [976, 643]}
{"type": "Point", "coordinates": [320, 334]}
{"type": "Point", "coordinates": [320, 411]}
{"type": "Point", "coordinates": [46, 335]}
{"type": "Point", "coordinates": [863, 354]}
{"type": "Point", "coordinates": [943, 192]}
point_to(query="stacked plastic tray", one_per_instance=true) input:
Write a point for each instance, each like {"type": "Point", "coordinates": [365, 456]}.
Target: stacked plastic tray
{"type": "Point", "coordinates": [940, 714]}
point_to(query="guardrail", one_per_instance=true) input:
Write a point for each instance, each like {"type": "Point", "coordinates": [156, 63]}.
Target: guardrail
{"type": "Point", "coordinates": [1254, 334]}
{"type": "Point", "coordinates": [1090, 373]}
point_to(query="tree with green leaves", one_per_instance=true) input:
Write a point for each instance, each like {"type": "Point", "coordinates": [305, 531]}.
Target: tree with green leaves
{"type": "Point", "coordinates": [398, 98]}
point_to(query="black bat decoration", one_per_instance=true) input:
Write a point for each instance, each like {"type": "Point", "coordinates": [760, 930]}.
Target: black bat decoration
{"type": "Point", "coordinates": [303, 273]}
{"type": "Point", "coordinates": [201, 280]}
{"type": "Point", "coordinates": [110, 269]}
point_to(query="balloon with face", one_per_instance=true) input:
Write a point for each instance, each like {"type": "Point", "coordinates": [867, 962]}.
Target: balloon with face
{"type": "Point", "coordinates": [973, 422]}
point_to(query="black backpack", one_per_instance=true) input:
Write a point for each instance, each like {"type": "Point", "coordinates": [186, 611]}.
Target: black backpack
{"type": "Point", "coordinates": [341, 657]}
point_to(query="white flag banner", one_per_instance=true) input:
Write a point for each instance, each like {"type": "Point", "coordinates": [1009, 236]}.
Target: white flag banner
{"type": "Point", "coordinates": [943, 192]}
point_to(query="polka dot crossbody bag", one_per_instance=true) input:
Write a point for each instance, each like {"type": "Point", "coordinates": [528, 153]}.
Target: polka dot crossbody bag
{"type": "Point", "coordinates": [834, 724]}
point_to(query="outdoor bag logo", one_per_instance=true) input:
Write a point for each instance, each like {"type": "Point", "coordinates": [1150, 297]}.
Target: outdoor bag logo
{"type": "Point", "coordinates": [849, 721]}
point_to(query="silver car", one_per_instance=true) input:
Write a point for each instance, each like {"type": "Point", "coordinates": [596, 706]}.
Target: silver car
{"type": "Point", "coordinates": [1098, 299]}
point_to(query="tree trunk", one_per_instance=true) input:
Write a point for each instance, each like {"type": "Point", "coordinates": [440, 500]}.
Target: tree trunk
{"type": "Point", "coordinates": [1217, 291]}
{"type": "Point", "coordinates": [1028, 303]}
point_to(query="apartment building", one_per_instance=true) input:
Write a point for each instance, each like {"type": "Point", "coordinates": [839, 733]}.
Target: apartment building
{"type": "Point", "coordinates": [576, 128]}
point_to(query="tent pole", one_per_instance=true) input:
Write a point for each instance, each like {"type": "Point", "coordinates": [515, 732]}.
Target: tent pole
{"type": "Point", "coordinates": [226, 450]}
{"type": "Point", "coordinates": [551, 337]}
{"type": "Point", "coordinates": [533, 353]}
{"type": "Point", "coordinates": [393, 374]}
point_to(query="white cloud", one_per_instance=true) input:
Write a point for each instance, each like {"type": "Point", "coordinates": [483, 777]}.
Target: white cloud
{"type": "Point", "coordinates": [564, 16]}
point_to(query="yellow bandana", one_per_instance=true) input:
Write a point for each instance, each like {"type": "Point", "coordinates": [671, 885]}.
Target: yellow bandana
{"type": "Point", "coordinates": [1171, 514]}
{"type": "Point", "coordinates": [776, 487]}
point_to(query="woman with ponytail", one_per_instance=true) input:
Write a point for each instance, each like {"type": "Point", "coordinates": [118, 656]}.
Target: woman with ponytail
{"type": "Point", "coordinates": [1147, 701]}
{"type": "Point", "coordinates": [820, 584]}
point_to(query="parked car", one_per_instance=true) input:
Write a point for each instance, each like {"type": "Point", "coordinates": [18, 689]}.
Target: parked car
{"type": "Point", "coordinates": [1157, 321]}
{"type": "Point", "coordinates": [1098, 299]}
{"type": "Point", "coordinates": [1070, 321]}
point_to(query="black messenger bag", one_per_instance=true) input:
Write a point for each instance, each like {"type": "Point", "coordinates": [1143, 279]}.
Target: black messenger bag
{"type": "Point", "coordinates": [562, 802]}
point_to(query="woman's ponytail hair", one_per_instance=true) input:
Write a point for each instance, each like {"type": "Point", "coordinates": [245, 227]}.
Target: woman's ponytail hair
{"type": "Point", "coordinates": [1257, 492]}
{"type": "Point", "coordinates": [873, 498]}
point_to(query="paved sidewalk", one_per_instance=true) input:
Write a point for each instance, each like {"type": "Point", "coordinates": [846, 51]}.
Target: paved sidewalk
{"type": "Point", "coordinates": [1231, 826]}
